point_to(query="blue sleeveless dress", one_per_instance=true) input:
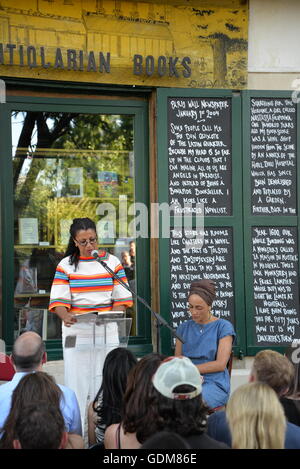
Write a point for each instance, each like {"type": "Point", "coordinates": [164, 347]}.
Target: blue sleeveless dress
{"type": "Point", "coordinates": [201, 346]}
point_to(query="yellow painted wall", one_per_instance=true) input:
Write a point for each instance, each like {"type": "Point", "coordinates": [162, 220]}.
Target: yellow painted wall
{"type": "Point", "coordinates": [212, 34]}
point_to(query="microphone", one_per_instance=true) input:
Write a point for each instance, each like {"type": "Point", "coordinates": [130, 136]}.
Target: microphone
{"type": "Point", "coordinates": [95, 254]}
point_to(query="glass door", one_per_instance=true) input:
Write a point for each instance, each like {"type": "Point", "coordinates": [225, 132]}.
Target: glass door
{"type": "Point", "coordinates": [67, 165]}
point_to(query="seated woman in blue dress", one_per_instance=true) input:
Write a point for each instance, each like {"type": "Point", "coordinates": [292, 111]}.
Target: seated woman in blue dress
{"type": "Point", "coordinates": [208, 343]}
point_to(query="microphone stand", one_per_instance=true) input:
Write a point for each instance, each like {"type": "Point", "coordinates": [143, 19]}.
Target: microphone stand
{"type": "Point", "coordinates": [160, 321]}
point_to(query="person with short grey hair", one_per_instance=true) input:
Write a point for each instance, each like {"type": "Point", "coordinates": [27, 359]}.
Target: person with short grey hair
{"type": "Point", "coordinates": [28, 352]}
{"type": "Point", "coordinates": [28, 356]}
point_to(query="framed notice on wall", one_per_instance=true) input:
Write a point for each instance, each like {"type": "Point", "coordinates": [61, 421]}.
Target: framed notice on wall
{"type": "Point", "coordinates": [75, 182]}
{"type": "Point", "coordinates": [65, 230]}
{"type": "Point", "coordinates": [28, 231]}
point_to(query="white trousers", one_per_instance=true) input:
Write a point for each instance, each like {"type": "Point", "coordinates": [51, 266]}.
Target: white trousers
{"type": "Point", "coordinates": [83, 363]}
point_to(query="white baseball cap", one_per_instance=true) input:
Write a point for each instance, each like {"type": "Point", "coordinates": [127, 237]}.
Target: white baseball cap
{"type": "Point", "coordinates": [177, 371]}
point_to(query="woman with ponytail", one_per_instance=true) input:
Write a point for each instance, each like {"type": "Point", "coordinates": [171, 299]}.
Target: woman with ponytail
{"type": "Point", "coordinates": [81, 289]}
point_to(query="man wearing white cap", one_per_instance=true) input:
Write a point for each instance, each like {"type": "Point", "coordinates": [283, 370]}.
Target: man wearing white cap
{"type": "Point", "coordinates": [177, 396]}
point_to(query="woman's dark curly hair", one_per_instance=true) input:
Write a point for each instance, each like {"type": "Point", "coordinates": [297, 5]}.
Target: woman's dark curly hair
{"type": "Point", "coordinates": [146, 411]}
{"type": "Point", "coordinates": [185, 417]}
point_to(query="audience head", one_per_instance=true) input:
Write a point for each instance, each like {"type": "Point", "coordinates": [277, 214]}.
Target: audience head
{"type": "Point", "coordinates": [256, 418]}
{"type": "Point", "coordinates": [136, 412]}
{"type": "Point", "coordinates": [32, 387]}
{"type": "Point", "coordinates": [175, 372]}
{"type": "Point", "coordinates": [274, 369]}
{"type": "Point", "coordinates": [205, 288]}
{"type": "Point", "coordinates": [164, 395]}
{"type": "Point", "coordinates": [132, 249]}
{"type": "Point", "coordinates": [40, 425]}
{"type": "Point", "coordinates": [116, 367]}
{"type": "Point", "coordinates": [28, 352]}
{"type": "Point", "coordinates": [177, 398]}
{"type": "Point", "coordinates": [166, 440]}
{"type": "Point", "coordinates": [125, 258]}
{"type": "Point", "coordinates": [293, 355]}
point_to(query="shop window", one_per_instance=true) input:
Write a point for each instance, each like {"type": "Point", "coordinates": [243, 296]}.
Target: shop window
{"type": "Point", "coordinates": [65, 166]}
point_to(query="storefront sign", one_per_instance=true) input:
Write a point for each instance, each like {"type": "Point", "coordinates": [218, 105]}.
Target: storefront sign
{"type": "Point", "coordinates": [172, 43]}
{"type": "Point", "coordinates": [78, 60]}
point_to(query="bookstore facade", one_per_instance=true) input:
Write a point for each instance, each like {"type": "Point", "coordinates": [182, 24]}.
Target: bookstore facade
{"type": "Point", "coordinates": [119, 111]}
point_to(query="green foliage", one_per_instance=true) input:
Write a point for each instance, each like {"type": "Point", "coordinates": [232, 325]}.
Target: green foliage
{"type": "Point", "coordinates": [51, 146]}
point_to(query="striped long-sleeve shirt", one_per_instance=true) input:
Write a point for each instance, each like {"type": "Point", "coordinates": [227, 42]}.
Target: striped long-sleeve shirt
{"type": "Point", "coordinates": [89, 288]}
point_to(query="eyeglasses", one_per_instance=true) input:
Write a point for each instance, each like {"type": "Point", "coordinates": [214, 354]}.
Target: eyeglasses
{"type": "Point", "coordinates": [87, 241]}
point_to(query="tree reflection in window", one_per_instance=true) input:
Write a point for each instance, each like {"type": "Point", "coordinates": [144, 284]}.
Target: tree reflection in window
{"type": "Point", "coordinates": [64, 166]}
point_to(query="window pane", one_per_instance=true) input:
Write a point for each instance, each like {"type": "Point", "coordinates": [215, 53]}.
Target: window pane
{"type": "Point", "coordinates": [66, 166]}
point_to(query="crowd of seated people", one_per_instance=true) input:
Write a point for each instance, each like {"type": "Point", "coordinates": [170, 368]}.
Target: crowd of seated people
{"type": "Point", "coordinates": [154, 402]}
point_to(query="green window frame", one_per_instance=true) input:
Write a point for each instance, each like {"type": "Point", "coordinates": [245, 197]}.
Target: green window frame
{"type": "Point", "coordinates": [241, 220]}
{"type": "Point", "coordinates": [234, 221]}
{"type": "Point", "coordinates": [125, 104]}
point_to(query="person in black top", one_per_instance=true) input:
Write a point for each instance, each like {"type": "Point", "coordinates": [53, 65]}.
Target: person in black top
{"type": "Point", "coordinates": [166, 440]}
{"type": "Point", "coordinates": [291, 400]}
{"type": "Point", "coordinates": [178, 405]}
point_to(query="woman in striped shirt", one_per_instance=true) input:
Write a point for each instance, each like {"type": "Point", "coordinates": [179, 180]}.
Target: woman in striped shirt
{"type": "Point", "coordinates": [81, 289]}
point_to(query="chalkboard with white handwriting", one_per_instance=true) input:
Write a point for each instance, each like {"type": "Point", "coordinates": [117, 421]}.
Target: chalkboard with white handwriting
{"type": "Point", "coordinates": [273, 156]}
{"type": "Point", "coordinates": [199, 154]}
{"type": "Point", "coordinates": [275, 285]}
{"type": "Point", "coordinates": [189, 261]}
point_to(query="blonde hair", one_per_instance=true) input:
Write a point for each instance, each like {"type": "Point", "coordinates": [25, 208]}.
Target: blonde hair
{"type": "Point", "coordinates": [256, 418]}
